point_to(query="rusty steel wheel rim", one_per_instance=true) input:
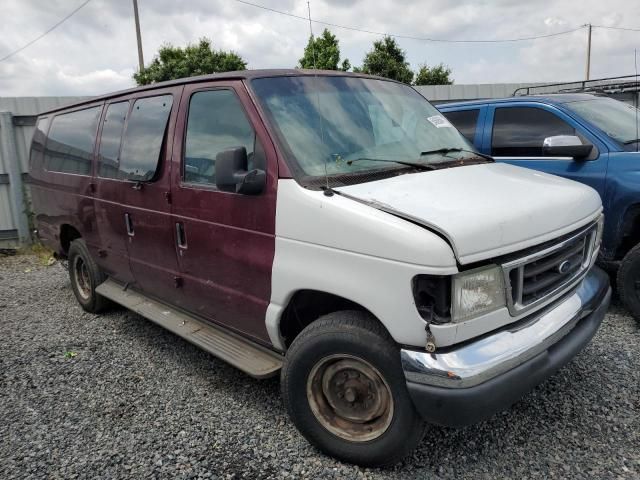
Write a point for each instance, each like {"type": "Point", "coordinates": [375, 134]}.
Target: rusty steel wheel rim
{"type": "Point", "coordinates": [350, 398]}
{"type": "Point", "coordinates": [82, 278]}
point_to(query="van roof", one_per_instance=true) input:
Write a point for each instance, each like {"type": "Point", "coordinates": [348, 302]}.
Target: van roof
{"type": "Point", "coordinates": [552, 98]}
{"type": "Point", "coordinates": [235, 75]}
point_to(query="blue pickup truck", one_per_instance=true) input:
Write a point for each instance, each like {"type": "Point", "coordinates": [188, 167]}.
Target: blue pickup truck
{"type": "Point", "coordinates": [588, 138]}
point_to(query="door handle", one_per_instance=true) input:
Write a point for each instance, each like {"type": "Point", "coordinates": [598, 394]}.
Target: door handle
{"type": "Point", "coordinates": [181, 237]}
{"type": "Point", "coordinates": [129, 224]}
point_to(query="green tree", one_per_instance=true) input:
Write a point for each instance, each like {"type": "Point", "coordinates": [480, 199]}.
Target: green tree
{"type": "Point", "coordinates": [438, 75]}
{"type": "Point", "coordinates": [194, 59]}
{"type": "Point", "coordinates": [387, 59]}
{"type": "Point", "coordinates": [326, 51]}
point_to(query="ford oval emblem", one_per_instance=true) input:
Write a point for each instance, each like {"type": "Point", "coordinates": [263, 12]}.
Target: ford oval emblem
{"type": "Point", "coordinates": [564, 266]}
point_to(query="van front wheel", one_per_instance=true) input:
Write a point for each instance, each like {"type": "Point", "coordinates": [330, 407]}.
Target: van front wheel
{"type": "Point", "coordinates": [85, 276]}
{"type": "Point", "coordinates": [344, 389]}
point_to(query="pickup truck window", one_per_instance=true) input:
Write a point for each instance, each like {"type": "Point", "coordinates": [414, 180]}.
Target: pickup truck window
{"type": "Point", "coordinates": [111, 138]}
{"type": "Point", "coordinates": [616, 119]}
{"type": "Point", "coordinates": [216, 122]}
{"type": "Point", "coordinates": [466, 121]}
{"type": "Point", "coordinates": [325, 123]}
{"type": "Point", "coordinates": [143, 138]}
{"type": "Point", "coordinates": [520, 131]}
{"type": "Point", "coordinates": [69, 147]}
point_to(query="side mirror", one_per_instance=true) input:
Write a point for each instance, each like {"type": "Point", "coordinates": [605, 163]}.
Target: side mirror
{"type": "Point", "coordinates": [566, 146]}
{"type": "Point", "coordinates": [232, 174]}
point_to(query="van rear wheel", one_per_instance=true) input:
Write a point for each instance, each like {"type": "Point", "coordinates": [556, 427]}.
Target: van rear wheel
{"type": "Point", "coordinates": [85, 276]}
{"type": "Point", "coordinates": [344, 389]}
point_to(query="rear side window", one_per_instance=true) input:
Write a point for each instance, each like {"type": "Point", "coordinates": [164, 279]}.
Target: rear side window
{"type": "Point", "coordinates": [216, 122]}
{"type": "Point", "coordinates": [37, 143]}
{"type": "Point", "coordinates": [466, 121]}
{"type": "Point", "coordinates": [69, 147]}
{"type": "Point", "coordinates": [111, 138]}
{"type": "Point", "coordinates": [520, 131]}
{"type": "Point", "coordinates": [143, 138]}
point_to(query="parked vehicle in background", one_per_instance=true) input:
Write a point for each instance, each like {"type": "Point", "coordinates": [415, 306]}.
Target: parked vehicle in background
{"type": "Point", "coordinates": [589, 138]}
{"type": "Point", "coordinates": [334, 228]}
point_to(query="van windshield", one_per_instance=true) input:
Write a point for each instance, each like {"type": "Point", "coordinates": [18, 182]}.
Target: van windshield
{"type": "Point", "coordinates": [349, 125]}
{"type": "Point", "coordinates": [616, 119]}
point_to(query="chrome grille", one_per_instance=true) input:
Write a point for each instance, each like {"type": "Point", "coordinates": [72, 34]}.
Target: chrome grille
{"type": "Point", "coordinates": [548, 271]}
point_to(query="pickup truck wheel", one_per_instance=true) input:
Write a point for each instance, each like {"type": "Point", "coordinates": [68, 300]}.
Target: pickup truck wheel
{"type": "Point", "coordinates": [344, 389]}
{"type": "Point", "coordinates": [628, 281]}
{"type": "Point", "coordinates": [85, 276]}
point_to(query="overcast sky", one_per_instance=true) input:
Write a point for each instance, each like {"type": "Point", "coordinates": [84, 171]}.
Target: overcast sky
{"type": "Point", "coordinates": [95, 50]}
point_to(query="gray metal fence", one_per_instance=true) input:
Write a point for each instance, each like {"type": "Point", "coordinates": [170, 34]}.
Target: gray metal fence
{"type": "Point", "coordinates": [453, 93]}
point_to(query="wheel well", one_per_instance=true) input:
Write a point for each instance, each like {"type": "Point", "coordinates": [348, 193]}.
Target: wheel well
{"type": "Point", "coordinates": [306, 306]}
{"type": "Point", "coordinates": [67, 235]}
{"type": "Point", "coordinates": [629, 231]}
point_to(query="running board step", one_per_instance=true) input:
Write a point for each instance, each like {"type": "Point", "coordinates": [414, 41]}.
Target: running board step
{"type": "Point", "coordinates": [242, 354]}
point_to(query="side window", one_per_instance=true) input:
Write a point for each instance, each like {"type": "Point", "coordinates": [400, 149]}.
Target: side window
{"type": "Point", "coordinates": [466, 121]}
{"type": "Point", "coordinates": [142, 142]}
{"type": "Point", "coordinates": [37, 144]}
{"type": "Point", "coordinates": [69, 147]}
{"type": "Point", "coordinates": [216, 122]}
{"type": "Point", "coordinates": [111, 138]}
{"type": "Point", "coordinates": [520, 131]}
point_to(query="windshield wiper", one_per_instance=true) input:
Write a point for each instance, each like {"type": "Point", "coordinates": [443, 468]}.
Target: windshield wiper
{"type": "Point", "coordinates": [628, 142]}
{"type": "Point", "coordinates": [422, 166]}
{"type": "Point", "coordinates": [444, 151]}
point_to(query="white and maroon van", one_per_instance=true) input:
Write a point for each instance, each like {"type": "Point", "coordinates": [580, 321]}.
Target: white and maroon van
{"type": "Point", "coordinates": [331, 228]}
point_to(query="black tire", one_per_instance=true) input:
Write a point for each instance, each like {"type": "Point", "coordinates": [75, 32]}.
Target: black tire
{"type": "Point", "coordinates": [85, 276]}
{"type": "Point", "coordinates": [351, 336]}
{"type": "Point", "coordinates": [628, 281]}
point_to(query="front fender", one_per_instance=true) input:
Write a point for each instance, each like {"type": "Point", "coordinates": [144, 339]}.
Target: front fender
{"type": "Point", "coordinates": [349, 249]}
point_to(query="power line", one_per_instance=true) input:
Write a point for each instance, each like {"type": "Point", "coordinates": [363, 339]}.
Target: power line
{"type": "Point", "coordinates": [345, 27]}
{"type": "Point", "coordinates": [45, 33]}
{"type": "Point", "coordinates": [410, 37]}
{"type": "Point", "coordinates": [618, 28]}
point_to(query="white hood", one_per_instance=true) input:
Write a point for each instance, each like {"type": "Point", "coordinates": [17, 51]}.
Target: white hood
{"type": "Point", "coordinates": [485, 210]}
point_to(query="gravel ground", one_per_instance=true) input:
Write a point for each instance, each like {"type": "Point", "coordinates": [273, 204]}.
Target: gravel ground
{"type": "Point", "coordinates": [114, 396]}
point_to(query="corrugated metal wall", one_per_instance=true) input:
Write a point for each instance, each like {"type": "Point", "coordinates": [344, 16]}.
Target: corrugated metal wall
{"type": "Point", "coordinates": [452, 93]}
{"type": "Point", "coordinates": [24, 110]}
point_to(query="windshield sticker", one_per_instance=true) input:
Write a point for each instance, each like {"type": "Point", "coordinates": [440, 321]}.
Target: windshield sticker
{"type": "Point", "coordinates": [439, 121]}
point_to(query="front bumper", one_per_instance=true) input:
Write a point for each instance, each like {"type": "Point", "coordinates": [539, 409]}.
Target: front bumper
{"type": "Point", "coordinates": [463, 385]}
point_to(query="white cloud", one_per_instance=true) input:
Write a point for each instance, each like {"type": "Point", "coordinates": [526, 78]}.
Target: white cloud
{"type": "Point", "coordinates": [87, 83]}
{"type": "Point", "coordinates": [554, 21]}
{"type": "Point", "coordinates": [95, 50]}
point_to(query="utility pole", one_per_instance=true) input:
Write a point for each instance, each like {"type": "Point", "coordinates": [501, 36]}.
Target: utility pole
{"type": "Point", "coordinates": [138, 36]}
{"type": "Point", "coordinates": [588, 69]}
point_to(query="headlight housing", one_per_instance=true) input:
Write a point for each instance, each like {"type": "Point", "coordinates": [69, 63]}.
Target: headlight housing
{"type": "Point", "coordinates": [477, 292]}
{"type": "Point", "coordinates": [432, 296]}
